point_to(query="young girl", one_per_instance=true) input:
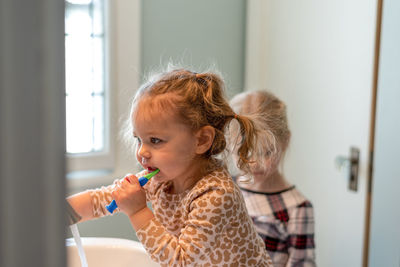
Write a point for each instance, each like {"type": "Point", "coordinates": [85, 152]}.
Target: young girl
{"type": "Point", "coordinates": [198, 215]}
{"type": "Point", "coordinates": [282, 215]}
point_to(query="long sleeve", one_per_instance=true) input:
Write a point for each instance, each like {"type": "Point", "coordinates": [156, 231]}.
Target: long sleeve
{"type": "Point", "coordinates": [100, 198]}
{"type": "Point", "coordinates": [208, 227]}
{"type": "Point", "coordinates": [285, 222]}
{"type": "Point", "coordinates": [301, 247]}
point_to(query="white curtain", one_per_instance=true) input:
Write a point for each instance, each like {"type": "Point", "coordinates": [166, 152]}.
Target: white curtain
{"type": "Point", "coordinates": [32, 133]}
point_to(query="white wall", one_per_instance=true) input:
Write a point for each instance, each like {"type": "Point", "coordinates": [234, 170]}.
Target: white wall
{"type": "Point", "coordinates": [197, 34]}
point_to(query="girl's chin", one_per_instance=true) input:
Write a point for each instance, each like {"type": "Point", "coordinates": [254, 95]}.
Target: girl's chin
{"type": "Point", "coordinates": [159, 177]}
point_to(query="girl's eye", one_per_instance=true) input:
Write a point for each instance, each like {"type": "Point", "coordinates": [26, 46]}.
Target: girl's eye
{"type": "Point", "coordinates": [138, 139]}
{"type": "Point", "coordinates": [155, 140]}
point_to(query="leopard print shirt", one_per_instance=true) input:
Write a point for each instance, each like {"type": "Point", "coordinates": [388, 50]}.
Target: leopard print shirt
{"type": "Point", "coordinates": [207, 225]}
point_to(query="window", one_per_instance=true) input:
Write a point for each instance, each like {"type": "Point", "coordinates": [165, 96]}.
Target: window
{"type": "Point", "coordinates": [87, 98]}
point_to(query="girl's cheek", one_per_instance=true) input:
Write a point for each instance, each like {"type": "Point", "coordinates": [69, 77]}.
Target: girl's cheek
{"type": "Point", "coordinates": [138, 158]}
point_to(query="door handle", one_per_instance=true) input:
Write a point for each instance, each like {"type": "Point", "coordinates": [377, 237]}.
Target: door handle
{"type": "Point", "coordinates": [352, 164]}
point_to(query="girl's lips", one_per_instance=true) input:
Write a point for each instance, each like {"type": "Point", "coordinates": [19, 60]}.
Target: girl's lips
{"type": "Point", "coordinates": [151, 169]}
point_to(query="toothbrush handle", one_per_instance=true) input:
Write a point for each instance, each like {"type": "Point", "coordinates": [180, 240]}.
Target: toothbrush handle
{"type": "Point", "coordinates": [113, 205]}
{"type": "Point", "coordinates": [143, 181]}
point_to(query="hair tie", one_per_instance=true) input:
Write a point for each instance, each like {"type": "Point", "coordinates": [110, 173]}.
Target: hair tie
{"type": "Point", "coordinates": [200, 79]}
{"type": "Point", "coordinates": [235, 115]}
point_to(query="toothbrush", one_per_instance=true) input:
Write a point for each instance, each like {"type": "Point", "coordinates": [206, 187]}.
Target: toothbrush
{"type": "Point", "coordinates": [142, 181]}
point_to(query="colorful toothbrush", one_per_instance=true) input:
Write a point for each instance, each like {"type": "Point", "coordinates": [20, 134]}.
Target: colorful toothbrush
{"type": "Point", "coordinates": [142, 181]}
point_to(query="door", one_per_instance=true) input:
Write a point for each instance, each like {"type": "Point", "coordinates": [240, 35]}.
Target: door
{"type": "Point", "coordinates": [318, 57]}
{"type": "Point", "coordinates": [384, 249]}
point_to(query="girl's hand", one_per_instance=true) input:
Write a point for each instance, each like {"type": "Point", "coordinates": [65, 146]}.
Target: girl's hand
{"type": "Point", "coordinates": [129, 195]}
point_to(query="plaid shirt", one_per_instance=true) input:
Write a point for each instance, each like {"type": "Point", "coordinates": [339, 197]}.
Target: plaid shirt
{"type": "Point", "coordinates": [285, 221]}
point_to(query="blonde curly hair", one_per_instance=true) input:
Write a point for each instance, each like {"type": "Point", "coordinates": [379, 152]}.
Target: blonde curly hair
{"type": "Point", "coordinates": [199, 100]}
{"type": "Point", "coordinates": [268, 113]}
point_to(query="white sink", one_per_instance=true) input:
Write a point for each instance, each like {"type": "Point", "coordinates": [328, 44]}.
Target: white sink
{"type": "Point", "coordinates": [107, 252]}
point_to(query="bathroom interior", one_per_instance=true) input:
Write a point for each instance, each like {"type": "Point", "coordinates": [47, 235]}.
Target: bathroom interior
{"type": "Point", "coordinates": [335, 63]}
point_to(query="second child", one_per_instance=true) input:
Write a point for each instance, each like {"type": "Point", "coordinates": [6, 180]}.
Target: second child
{"type": "Point", "coordinates": [283, 217]}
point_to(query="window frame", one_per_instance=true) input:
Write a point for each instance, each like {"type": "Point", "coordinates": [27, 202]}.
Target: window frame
{"type": "Point", "coordinates": [101, 160]}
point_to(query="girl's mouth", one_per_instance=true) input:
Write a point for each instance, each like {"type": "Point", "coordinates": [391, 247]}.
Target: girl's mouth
{"type": "Point", "coordinates": [151, 169]}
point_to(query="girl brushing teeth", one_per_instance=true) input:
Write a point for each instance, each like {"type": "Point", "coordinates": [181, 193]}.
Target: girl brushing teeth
{"type": "Point", "coordinates": [198, 216]}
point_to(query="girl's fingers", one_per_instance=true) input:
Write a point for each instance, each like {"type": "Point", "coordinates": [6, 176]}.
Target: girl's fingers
{"type": "Point", "coordinates": [117, 184]}
{"type": "Point", "coordinates": [123, 183]}
{"type": "Point", "coordinates": [132, 179]}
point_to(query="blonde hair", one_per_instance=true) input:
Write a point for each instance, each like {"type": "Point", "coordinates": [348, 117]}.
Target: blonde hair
{"type": "Point", "coordinates": [269, 114]}
{"type": "Point", "coordinates": [199, 100]}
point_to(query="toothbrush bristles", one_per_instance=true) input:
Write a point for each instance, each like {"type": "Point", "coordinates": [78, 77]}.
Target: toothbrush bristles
{"type": "Point", "coordinates": [149, 175]}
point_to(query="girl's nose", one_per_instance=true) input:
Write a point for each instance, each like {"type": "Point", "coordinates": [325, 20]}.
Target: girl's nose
{"type": "Point", "coordinates": [143, 152]}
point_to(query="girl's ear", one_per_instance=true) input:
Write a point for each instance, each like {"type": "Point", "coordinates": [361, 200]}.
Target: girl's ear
{"type": "Point", "coordinates": [205, 138]}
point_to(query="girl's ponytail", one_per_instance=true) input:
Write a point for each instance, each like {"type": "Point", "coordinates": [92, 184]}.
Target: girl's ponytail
{"type": "Point", "coordinates": [245, 142]}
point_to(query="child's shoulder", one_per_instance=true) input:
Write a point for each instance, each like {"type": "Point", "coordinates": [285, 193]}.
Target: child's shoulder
{"type": "Point", "coordinates": [296, 198]}
{"type": "Point", "coordinates": [218, 179]}
{"type": "Point", "coordinates": [217, 184]}
{"type": "Point", "coordinates": [212, 191]}
{"type": "Point", "coordinates": [289, 200]}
